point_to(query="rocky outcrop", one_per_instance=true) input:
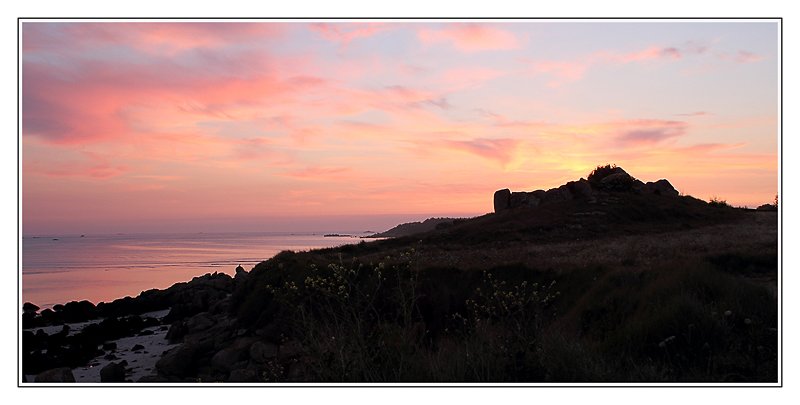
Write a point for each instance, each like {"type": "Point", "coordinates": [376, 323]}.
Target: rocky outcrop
{"type": "Point", "coordinates": [661, 187]}
{"type": "Point", "coordinates": [185, 299]}
{"type": "Point", "coordinates": [601, 181]}
{"type": "Point", "coordinates": [196, 307]}
{"type": "Point", "coordinates": [502, 200]}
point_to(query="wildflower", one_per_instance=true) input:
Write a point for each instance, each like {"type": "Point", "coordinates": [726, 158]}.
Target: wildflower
{"type": "Point", "coordinates": [747, 321]}
{"type": "Point", "coordinates": [662, 344]}
{"type": "Point", "coordinates": [727, 313]}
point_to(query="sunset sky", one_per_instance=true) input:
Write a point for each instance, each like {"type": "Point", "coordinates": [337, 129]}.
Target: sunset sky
{"type": "Point", "coordinates": [132, 126]}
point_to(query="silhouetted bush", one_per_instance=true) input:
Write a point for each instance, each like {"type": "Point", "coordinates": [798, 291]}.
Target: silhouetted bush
{"type": "Point", "coordinates": [600, 173]}
{"type": "Point", "coordinates": [719, 203]}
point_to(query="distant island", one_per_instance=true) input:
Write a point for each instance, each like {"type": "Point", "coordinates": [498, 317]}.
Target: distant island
{"type": "Point", "coordinates": [410, 228]}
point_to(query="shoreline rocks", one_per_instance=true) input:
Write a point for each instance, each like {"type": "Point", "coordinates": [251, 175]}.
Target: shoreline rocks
{"type": "Point", "coordinates": [198, 314]}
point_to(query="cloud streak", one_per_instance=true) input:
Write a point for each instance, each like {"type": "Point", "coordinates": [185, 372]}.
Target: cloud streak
{"type": "Point", "coordinates": [469, 37]}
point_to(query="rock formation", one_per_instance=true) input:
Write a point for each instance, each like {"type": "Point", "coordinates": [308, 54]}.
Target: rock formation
{"type": "Point", "coordinates": [601, 181]}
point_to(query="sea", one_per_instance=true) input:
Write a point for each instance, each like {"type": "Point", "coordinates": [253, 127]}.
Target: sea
{"type": "Point", "coordinates": [102, 268]}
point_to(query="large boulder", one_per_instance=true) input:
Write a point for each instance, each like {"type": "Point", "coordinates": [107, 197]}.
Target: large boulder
{"type": "Point", "coordinates": [617, 182]}
{"type": "Point", "coordinates": [502, 200]}
{"type": "Point", "coordinates": [557, 194]}
{"type": "Point", "coordinates": [580, 188]}
{"type": "Point", "coordinates": [199, 322]}
{"type": "Point", "coordinates": [523, 199]}
{"type": "Point", "coordinates": [176, 362]}
{"type": "Point", "coordinates": [225, 359]}
{"type": "Point", "coordinates": [661, 187]}
{"type": "Point", "coordinates": [113, 372]}
{"type": "Point", "coordinates": [56, 375]}
{"type": "Point", "coordinates": [29, 307]}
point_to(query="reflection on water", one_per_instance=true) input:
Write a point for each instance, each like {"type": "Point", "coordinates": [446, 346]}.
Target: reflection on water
{"type": "Point", "coordinates": [59, 269]}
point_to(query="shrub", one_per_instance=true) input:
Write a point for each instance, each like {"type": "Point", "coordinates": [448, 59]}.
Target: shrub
{"type": "Point", "coordinates": [600, 173]}
{"type": "Point", "coordinates": [719, 203]}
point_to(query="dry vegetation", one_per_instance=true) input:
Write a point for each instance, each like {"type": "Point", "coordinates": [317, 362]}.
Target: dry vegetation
{"type": "Point", "coordinates": [681, 291]}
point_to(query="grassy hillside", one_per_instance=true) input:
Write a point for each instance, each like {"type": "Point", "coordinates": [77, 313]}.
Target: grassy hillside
{"type": "Point", "coordinates": [641, 288]}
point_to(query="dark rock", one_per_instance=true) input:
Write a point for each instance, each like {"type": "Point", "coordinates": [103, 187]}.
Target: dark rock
{"type": "Point", "coordinates": [551, 196]}
{"type": "Point", "coordinates": [199, 322]}
{"type": "Point", "coordinates": [110, 346]}
{"type": "Point", "coordinates": [580, 188]}
{"type": "Point", "coordinates": [137, 347]}
{"type": "Point", "coordinates": [502, 200]}
{"type": "Point", "coordinates": [154, 378]}
{"type": "Point", "coordinates": [112, 372]}
{"type": "Point", "coordinates": [176, 332]}
{"type": "Point", "coordinates": [75, 311]}
{"type": "Point", "coordinates": [565, 193]}
{"type": "Point", "coordinates": [661, 187]}
{"type": "Point", "coordinates": [243, 375]}
{"type": "Point", "coordinates": [263, 352]}
{"type": "Point", "coordinates": [29, 320]}
{"type": "Point", "coordinates": [523, 199]}
{"type": "Point", "coordinates": [226, 358]}
{"type": "Point", "coordinates": [56, 375]}
{"type": "Point", "coordinates": [29, 307]}
{"type": "Point", "coordinates": [176, 362]}
{"type": "Point", "coordinates": [220, 307]}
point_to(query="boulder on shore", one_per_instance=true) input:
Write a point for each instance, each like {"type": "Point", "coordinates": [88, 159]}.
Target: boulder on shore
{"type": "Point", "coordinates": [113, 372]}
{"type": "Point", "coordinates": [56, 375]}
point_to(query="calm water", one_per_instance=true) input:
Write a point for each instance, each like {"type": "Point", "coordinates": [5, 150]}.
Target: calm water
{"type": "Point", "coordinates": [106, 267]}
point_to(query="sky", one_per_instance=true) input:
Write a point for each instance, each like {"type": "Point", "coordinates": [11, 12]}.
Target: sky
{"type": "Point", "coordinates": [191, 125]}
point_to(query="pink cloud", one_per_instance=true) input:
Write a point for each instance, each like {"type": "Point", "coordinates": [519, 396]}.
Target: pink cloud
{"type": "Point", "coordinates": [170, 38]}
{"type": "Point", "coordinates": [740, 57]}
{"type": "Point", "coordinates": [650, 53]}
{"type": "Point", "coordinates": [500, 150]}
{"type": "Point", "coordinates": [345, 33]}
{"type": "Point", "coordinates": [466, 76]}
{"type": "Point", "coordinates": [644, 132]}
{"type": "Point", "coordinates": [80, 164]}
{"type": "Point", "coordinates": [696, 114]}
{"type": "Point", "coordinates": [316, 172]}
{"type": "Point", "coordinates": [252, 149]}
{"type": "Point", "coordinates": [565, 72]}
{"type": "Point", "coordinates": [469, 37]}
